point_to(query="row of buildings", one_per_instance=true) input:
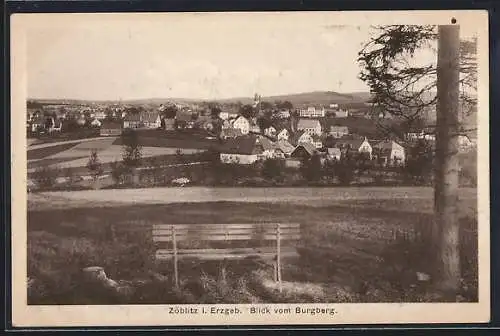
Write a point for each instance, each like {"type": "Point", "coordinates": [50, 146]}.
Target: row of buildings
{"type": "Point", "coordinates": [251, 148]}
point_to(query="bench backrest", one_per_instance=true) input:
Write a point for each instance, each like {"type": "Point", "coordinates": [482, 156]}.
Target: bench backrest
{"type": "Point", "coordinates": [226, 232]}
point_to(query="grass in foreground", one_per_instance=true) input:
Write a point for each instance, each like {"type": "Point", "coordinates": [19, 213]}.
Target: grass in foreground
{"type": "Point", "coordinates": [348, 254]}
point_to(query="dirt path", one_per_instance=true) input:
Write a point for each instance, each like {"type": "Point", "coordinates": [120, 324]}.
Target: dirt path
{"type": "Point", "coordinates": [306, 196]}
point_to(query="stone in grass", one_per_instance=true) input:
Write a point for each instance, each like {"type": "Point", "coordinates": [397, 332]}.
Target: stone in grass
{"type": "Point", "coordinates": [423, 276]}
{"type": "Point", "coordinates": [307, 290]}
{"type": "Point", "coordinates": [96, 275]}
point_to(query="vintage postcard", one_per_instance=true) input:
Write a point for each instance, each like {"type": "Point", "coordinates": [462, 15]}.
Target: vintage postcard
{"type": "Point", "coordinates": [250, 168]}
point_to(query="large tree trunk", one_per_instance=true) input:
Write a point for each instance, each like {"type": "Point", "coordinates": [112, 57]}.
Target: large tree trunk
{"type": "Point", "coordinates": [447, 164]}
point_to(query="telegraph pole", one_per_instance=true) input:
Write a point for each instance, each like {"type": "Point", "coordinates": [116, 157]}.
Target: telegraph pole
{"type": "Point", "coordinates": [447, 164]}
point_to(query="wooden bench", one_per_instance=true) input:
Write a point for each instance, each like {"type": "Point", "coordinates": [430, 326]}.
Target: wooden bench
{"type": "Point", "coordinates": [264, 240]}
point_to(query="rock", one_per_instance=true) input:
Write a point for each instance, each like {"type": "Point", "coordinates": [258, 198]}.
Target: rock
{"type": "Point", "coordinates": [423, 276]}
{"type": "Point", "coordinates": [97, 276]}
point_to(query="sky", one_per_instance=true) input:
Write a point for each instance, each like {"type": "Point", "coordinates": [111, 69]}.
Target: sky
{"type": "Point", "coordinates": [193, 56]}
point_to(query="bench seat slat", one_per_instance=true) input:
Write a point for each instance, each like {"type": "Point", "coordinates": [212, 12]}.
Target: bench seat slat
{"type": "Point", "coordinates": [221, 231]}
{"type": "Point", "coordinates": [224, 237]}
{"type": "Point", "coordinates": [220, 255]}
{"type": "Point", "coordinates": [179, 227]}
{"type": "Point", "coordinates": [233, 250]}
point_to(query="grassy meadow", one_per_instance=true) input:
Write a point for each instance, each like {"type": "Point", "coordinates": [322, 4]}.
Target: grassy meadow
{"type": "Point", "coordinates": [350, 251]}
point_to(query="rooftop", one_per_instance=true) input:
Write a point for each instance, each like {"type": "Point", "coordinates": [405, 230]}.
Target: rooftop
{"type": "Point", "coordinates": [308, 123]}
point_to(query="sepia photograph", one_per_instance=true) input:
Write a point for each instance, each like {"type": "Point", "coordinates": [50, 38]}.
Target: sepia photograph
{"type": "Point", "coordinates": [241, 168]}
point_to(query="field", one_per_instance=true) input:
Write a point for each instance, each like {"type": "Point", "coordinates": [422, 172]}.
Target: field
{"type": "Point", "coordinates": [75, 154]}
{"type": "Point", "coordinates": [352, 249]}
{"type": "Point", "coordinates": [179, 139]}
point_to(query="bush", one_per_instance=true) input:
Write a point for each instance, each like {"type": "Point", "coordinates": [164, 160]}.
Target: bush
{"type": "Point", "coordinates": [117, 172]}
{"type": "Point", "coordinates": [345, 172]}
{"type": "Point", "coordinates": [273, 169]}
{"type": "Point", "coordinates": [311, 168]}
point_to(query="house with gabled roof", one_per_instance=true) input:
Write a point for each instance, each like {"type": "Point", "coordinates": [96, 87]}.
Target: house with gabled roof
{"type": "Point", "coordinates": [37, 123]}
{"type": "Point", "coordinates": [338, 131]}
{"type": "Point", "coordinates": [132, 121]}
{"type": "Point", "coordinates": [227, 133]}
{"type": "Point", "coordinates": [270, 149]}
{"type": "Point", "coordinates": [286, 147]}
{"type": "Point", "coordinates": [304, 150]}
{"type": "Point", "coordinates": [242, 123]}
{"type": "Point", "coordinates": [300, 137]}
{"type": "Point", "coordinates": [183, 119]}
{"type": "Point", "coordinates": [111, 128]}
{"type": "Point", "coordinates": [270, 131]}
{"type": "Point", "coordinates": [151, 120]}
{"type": "Point", "coordinates": [317, 141]}
{"type": "Point", "coordinates": [283, 134]}
{"type": "Point", "coordinates": [56, 126]}
{"type": "Point", "coordinates": [310, 126]}
{"type": "Point", "coordinates": [354, 146]}
{"type": "Point", "coordinates": [312, 112]}
{"type": "Point", "coordinates": [389, 152]}
{"type": "Point", "coordinates": [241, 150]}
{"type": "Point", "coordinates": [283, 114]}
{"type": "Point", "coordinates": [96, 123]}
{"type": "Point", "coordinates": [333, 154]}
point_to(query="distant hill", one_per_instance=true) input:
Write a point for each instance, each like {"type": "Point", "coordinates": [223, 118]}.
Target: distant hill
{"type": "Point", "coordinates": [316, 97]}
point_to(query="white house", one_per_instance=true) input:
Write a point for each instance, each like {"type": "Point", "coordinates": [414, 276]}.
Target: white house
{"type": "Point", "coordinates": [284, 134]}
{"type": "Point", "coordinates": [341, 113]}
{"type": "Point", "coordinates": [100, 115]}
{"type": "Point", "coordinates": [57, 126]}
{"type": "Point", "coordinates": [303, 137]}
{"type": "Point", "coordinates": [286, 147]}
{"type": "Point", "coordinates": [312, 112]}
{"type": "Point", "coordinates": [242, 124]}
{"type": "Point", "coordinates": [270, 149]}
{"type": "Point", "coordinates": [132, 121]}
{"type": "Point", "coordinates": [226, 124]}
{"type": "Point", "coordinates": [338, 131]}
{"type": "Point", "coordinates": [283, 114]}
{"type": "Point", "coordinates": [270, 131]}
{"type": "Point", "coordinates": [354, 146]}
{"type": "Point", "coordinates": [224, 115]}
{"type": "Point", "coordinates": [389, 152]}
{"type": "Point", "coordinates": [37, 123]}
{"type": "Point", "coordinates": [425, 135]}
{"type": "Point", "coordinates": [151, 120]}
{"type": "Point", "coordinates": [96, 123]}
{"type": "Point", "coordinates": [241, 150]}
{"type": "Point", "coordinates": [334, 154]}
{"type": "Point", "coordinates": [316, 141]}
{"type": "Point", "coordinates": [254, 128]}
{"type": "Point", "coordinates": [310, 126]}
